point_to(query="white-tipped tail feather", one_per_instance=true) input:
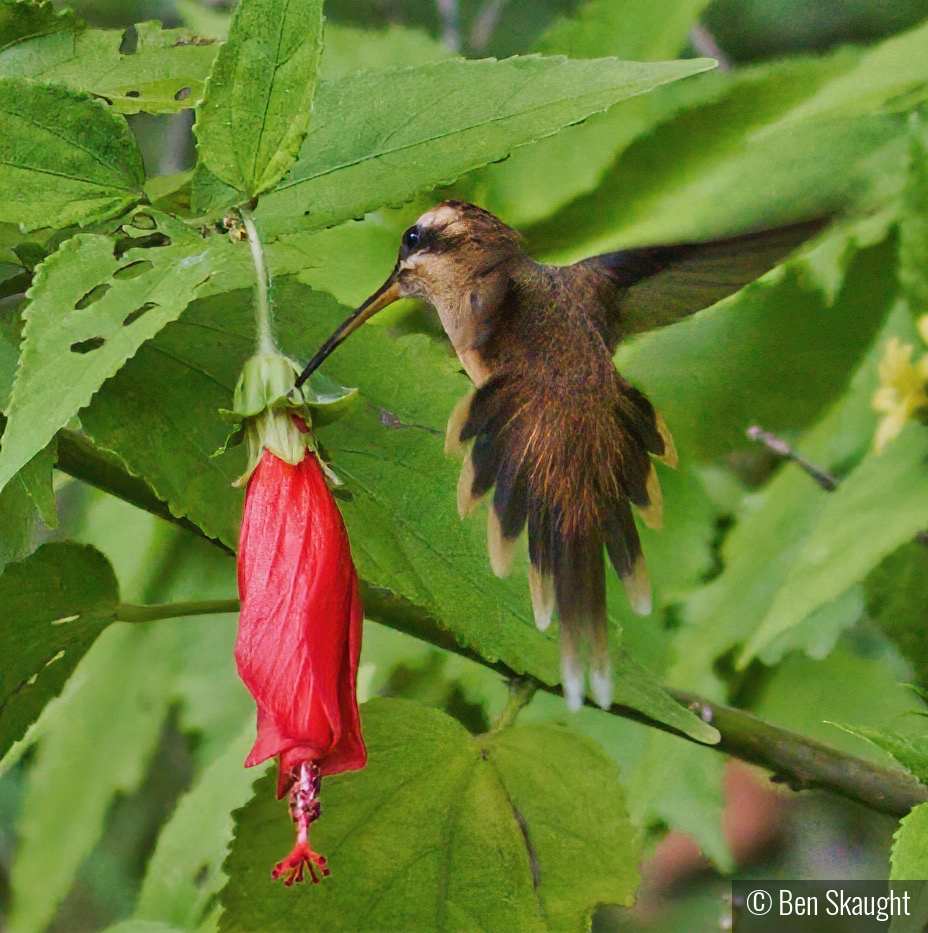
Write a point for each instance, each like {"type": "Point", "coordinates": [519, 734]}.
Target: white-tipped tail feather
{"type": "Point", "coordinates": [466, 498]}
{"type": "Point", "coordinates": [500, 548]}
{"type": "Point", "coordinates": [601, 686]}
{"type": "Point", "coordinates": [653, 513]}
{"type": "Point", "coordinates": [638, 588]}
{"type": "Point", "coordinates": [572, 680]}
{"type": "Point", "coordinates": [456, 422]}
{"type": "Point", "coordinates": [541, 586]}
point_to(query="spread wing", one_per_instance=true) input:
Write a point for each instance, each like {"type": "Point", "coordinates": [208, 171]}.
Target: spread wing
{"type": "Point", "coordinates": [658, 285]}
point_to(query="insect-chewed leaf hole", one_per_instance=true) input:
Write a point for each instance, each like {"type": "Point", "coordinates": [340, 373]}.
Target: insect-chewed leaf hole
{"type": "Point", "coordinates": [133, 94]}
{"type": "Point", "coordinates": [95, 294]}
{"type": "Point", "coordinates": [133, 270]}
{"type": "Point", "coordinates": [87, 346]}
{"type": "Point", "coordinates": [182, 94]}
{"type": "Point", "coordinates": [153, 241]}
{"type": "Point", "coordinates": [133, 316]}
{"type": "Point", "coordinates": [130, 42]}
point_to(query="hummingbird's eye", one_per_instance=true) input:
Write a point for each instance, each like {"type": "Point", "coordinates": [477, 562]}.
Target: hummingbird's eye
{"type": "Point", "coordinates": [411, 239]}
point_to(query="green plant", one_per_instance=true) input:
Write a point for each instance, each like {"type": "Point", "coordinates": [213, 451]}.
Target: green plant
{"type": "Point", "coordinates": [126, 316]}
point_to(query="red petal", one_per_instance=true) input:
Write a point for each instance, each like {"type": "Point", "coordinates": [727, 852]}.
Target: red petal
{"type": "Point", "coordinates": [299, 636]}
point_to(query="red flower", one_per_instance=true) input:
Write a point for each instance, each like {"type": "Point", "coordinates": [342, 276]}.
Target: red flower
{"type": "Point", "coordinates": [299, 637]}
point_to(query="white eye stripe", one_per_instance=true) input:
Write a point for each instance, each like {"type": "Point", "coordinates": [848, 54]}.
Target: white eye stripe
{"type": "Point", "coordinates": [413, 260]}
{"type": "Point", "coordinates": [438, 217]}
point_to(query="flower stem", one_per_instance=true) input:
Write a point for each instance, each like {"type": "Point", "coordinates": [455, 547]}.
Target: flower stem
{"type": "Point", "coordinates": [521, 692]}
{"type": "Point", "coordinates": [129, 613]}
{"type": "Point", "coordinates": [265, 334]}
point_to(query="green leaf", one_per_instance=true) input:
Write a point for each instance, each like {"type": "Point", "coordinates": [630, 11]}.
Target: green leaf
{"type": "Point", "coordinates": [818, 132]}
{"type": "Point", "coordinates": [574, 162]}
{"type": "Point", "coordinates": [205, 21]}
{"type": "Point", "coordinates": [909, 858]}
{"type": "Point", "coordinates": [36, 476]}
{"type": "Point", "coordinates": [165, 74]}
{"type": "Point", "coordinates": [184, 873]}
{"type": "Point", "coordinates": [257, 107]}
{"type": "Point", "coordinates": [378, 137]}
{"type": "Point", "coordinates": [53, 605]}
{"type": "Point", "coordinates": [680, 554]}
{"type": "Point", "coordinates": [9, 354]}
{"type": "Point", "coordinates": [819, 631]}
{"type": "Point", "coordinates": [142, 926]}
{"type": "Point", "coordinates": [89, 311]}
{"type": "Point", "coordinates": [913, 226]}
{"type": "Point", "coordinates": [679, 786]}
{"type": "Point", "coordinates": [347, 261]}
{"type": "Point", "coordinates": [407, 538]}
{"type": "Point", "coordinates": [25, 19]}
{"type": "Point", "coordinates": [910, 751]}
{"type": "Point", "coordinates": [160, 413]}
{"type": "Point", "coordinates": [65, 157]}
{"type": "Point", "coordinates": [115, 706]}
{"type": "Point", "coordinates": [525, 829]}
{"type": "Point", "coordinates": [772, 527]}
{"type": "Point", "coordinates": [210, 195]}
{"type": "Point", "coordinates": [566, 791]}
{"type": "Point", "coordinates": [897, 594]}
{"type": "Point", "coordinates": [17, 519]}
{"type": "Point", "coordinates": [878, 507]}
{"type": "Point", "coordinates": [858, 683]}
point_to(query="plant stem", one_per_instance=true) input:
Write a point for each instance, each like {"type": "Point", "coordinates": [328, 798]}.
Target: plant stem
{"type": "Point", "coordinates": [265, 333]}
{"type": "Point", "coordinates": [828, 482]}
{"type": "Point", "coordinates": [80, 458]}
{"type": "Point", "coordinates": [129, 613]}
{"type": "Point", "coordinates": [778, 446]}
{"type": "Point", "coordinates": [794, 760]}
{"type": "Point", "coordinates": [521, 692]}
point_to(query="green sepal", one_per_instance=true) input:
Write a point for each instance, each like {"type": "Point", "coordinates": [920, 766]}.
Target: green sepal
{"type": "Point", "coordinates": [276, 431]}
{"type": "Point", "coordinates": [235, 437]}
{"type": "Point", "coordinates": [266, 402]}
{"type": "Point", "coordinates": [265, 382]}
{"type": "Point", "coordinates": [327, 400]}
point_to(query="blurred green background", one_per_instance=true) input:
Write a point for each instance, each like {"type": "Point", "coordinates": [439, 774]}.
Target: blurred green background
{"type": "Point", "coordinates": [181, 743]}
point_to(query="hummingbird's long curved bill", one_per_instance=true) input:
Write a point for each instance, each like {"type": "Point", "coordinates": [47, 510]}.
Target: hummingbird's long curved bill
{"type": "Point", "coordinates": [385, 295]}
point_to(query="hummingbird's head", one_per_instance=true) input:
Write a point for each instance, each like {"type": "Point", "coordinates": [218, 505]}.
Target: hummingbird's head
{"type": "Point", "coordinates": [449, 249]}
{"type": "Point", "coordinates": [454, 256]}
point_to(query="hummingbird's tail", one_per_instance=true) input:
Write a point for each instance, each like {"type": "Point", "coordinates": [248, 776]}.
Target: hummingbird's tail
{"type": "Point", "coordinates": [579, 576]}
{"type": "Point", "coordinates": [567, 568]}
{"type": "Point", "coordinates": [567, 534]}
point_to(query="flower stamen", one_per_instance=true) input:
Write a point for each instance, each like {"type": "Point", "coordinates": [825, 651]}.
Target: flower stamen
{"type": "Point", "coordinates": [305, 809]}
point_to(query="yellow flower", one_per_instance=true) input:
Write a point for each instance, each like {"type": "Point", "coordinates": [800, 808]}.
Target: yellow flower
{"type": "Point", "coordinates": [903, 388]}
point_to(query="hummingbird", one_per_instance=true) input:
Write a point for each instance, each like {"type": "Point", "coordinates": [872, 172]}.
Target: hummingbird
{"type": "Point", "coordinates": [565, 443]}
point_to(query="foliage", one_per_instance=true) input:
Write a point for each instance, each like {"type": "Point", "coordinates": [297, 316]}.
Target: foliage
{"type": "Point", "coordinates": [125, 317]}
{"type": "Point", "coordinates": [524, 829]}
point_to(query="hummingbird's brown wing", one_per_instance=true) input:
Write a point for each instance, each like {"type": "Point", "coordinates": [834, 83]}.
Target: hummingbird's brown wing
{"type": "Point", "coordinates": [652, 286]}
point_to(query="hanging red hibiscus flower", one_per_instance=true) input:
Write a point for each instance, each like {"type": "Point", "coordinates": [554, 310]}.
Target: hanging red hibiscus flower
{"type": "Point", "coordinates": [299, 636]}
